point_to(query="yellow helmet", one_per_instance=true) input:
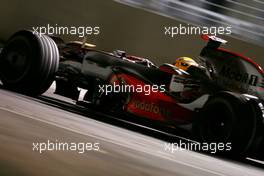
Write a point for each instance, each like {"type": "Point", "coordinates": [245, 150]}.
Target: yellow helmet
{"type": "Point", "coordinates": [184, 63]}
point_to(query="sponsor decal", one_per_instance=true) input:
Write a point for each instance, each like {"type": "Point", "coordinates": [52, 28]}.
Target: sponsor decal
{"type": "Point", "coordinates": [153, 108]}
{"type": "Point", "coordinates": [242, 77]}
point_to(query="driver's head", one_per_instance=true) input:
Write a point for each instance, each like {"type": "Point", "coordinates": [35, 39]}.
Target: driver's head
{"type": "Point", "coordinates": [185, 62]}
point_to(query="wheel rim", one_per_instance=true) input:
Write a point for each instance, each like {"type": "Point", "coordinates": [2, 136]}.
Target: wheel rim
{"type": "Point", "coordinates": [15, 61]}
{"type": "Point", "coordinates": [219, 124]}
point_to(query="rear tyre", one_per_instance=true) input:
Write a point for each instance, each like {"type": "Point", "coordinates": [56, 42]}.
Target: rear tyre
{"type": "Point", "coordinates": [28, 63]}
{"type": "Point", "coordinates": [227, 120]}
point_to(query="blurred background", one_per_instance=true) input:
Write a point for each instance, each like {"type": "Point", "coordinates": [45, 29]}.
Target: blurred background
{"type": "Point", "coordinates": [137, 26]}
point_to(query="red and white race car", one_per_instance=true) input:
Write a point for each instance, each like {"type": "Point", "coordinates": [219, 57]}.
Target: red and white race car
{"type": "Point", "coordinates": [222, 100]}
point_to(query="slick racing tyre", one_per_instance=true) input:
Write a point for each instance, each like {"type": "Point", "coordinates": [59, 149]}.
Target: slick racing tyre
{"type": "Point", "coordinates": [28, 63]}
{"type": "Point", "coordinates": [227, 119]}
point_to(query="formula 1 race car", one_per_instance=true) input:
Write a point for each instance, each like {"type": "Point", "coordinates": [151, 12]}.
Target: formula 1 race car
{"type": "Point", "coordinates": [222, 100]}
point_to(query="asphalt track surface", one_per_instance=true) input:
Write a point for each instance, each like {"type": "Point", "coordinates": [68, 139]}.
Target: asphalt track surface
{"type": "Point", "coordinates": [24, 121]}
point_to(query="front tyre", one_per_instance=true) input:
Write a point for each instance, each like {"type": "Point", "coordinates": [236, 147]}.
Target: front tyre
{"type": "Point", "coordinates": [28, 63]}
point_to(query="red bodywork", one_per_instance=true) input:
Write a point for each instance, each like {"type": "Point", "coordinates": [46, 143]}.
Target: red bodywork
{"type": "Point", "coordinates": [158, 105]}
{"type": "Point", "coordinates": [249, 60]}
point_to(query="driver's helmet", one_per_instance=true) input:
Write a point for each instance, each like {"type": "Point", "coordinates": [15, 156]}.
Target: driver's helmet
{"type": "Point", "coordinates": [185, 62]}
